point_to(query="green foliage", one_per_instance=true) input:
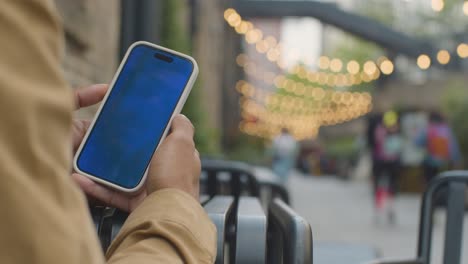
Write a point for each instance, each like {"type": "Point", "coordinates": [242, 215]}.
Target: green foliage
{"type": "Point", "coordinates": [175, 35]}
{"type": "Point", "coordinates": [344, 147]}
{"type": "Point", "coordinates": [455, 105]}
{"type": "Point", "coordinates": [378, 10]}
{"type": "Point", "coordinates": [249, 149]}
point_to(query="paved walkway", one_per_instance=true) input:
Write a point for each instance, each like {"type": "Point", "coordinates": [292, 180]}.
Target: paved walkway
{"type": "Point", "coordinates": [341, 211]}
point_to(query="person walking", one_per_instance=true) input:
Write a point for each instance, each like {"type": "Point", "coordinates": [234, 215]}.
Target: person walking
{"type": "Point", "coordinates": [285, 150]}
{"type": "Point", "coordinates": [387, 151]}
{"type": "Point", "coordinates": [442, 149]}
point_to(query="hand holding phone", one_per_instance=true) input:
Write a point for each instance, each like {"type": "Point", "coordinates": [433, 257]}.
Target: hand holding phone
{"type": "Point", "coordinates": [164, 172]}
{"type": "Point", "coordinates": [148, 90]}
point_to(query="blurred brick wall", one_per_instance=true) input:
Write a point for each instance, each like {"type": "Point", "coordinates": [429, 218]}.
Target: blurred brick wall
{"type": "Point", "coordinates": [92, 41]}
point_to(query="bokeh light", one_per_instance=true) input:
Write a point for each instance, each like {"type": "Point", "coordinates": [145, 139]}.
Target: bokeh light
{"type": "Point", "coordinates": [387, 67]}
{"type": "Point", "coordinates": [462, 50]}
{"type": "Point", "coordinates": [353, 67]}
{"type": "Point", "coordinates": [336, 65]}
{"type": "Point", "coordinates": [443, 57]}
{"type": "Point", "coordinates": [424, 62]}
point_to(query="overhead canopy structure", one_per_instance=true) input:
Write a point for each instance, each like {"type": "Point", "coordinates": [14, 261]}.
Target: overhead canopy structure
{"type": "Point", "coordinates": [328, 13]}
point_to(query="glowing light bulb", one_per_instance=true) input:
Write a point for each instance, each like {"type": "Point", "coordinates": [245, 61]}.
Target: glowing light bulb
{"type": "Point", "coordinates": [443, 57]}
{"type": "Point", "coordinates": [336, 65]}
{"type": "Point", "coordinates": [424, 62]}
{"type": "Point", "coordinates": [387, 67]}
{"type": "Point", "coordinates": [462, 50]}
{"type": "Point", "coordinates": [353, 67]}
{"type": "Point", "coordinates": [324, 62]}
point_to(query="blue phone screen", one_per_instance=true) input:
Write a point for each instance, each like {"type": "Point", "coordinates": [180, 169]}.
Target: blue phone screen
{"type": "Point", "coordinates": [134, 116]}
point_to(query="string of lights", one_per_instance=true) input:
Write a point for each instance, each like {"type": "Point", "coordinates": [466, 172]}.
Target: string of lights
{"type": "Point", "coordinates": [273, 49]}
{"type": "Point", "coordinates": [303, 105]}
{"type": "Point", "coordinates": [299, 71]}
{"type": "Point", "coordinates": [269, 111]}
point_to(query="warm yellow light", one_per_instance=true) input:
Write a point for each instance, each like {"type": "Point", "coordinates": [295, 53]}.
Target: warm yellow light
{"type": "Point", "coordinates": [241, 59]}
{"type": "Point", "coordinates": [242, 28]}
{"type": "Point", "coordinates": [331, 80]}
{"type": "Point", "coordinates": [302, 72]}
{"type": "Point", "coordinates": [262, 46]}
{"type": "Point", "coordinates": [365, 77]}
{"type": "Point", "coordinates": [443, 57]}
{"type": "Point", "coordinates": [387, 67]}
{"type": "Point", "coordinates": [353, 67]}
{"type": "Point", "coordinates": [253, 36]}
{"type": "Point", "coordinates": [324, 62]}
{"type": "Point", "coordinates": [336, 65]}
{"type": "Point", "coordinates": [271, 41]}
{"type": "Point", "coordinates": [300, 89]}
{"type": "Point", "coordinates": [340, 80]}
{"type": "Point", "coordinates": [376, 75]}
{"type": "Point", "coordinates": [336, 97]}
{"type": "Point", "coordinates": [465, 8]}
{"type": "Point", "coordinates": [437, 5]}
{"type": "Point", "coordinates": [370, 68]}
{"type": "Point", "coordinates": [381, 59]}
{"type": "Point", "coordinates": [234, 19]}
{"type": "Point", "coordinates": [249, 25]}
{"type": "Point", "coordinates": [250, 68]}
{"type": "Point", "coordinates": [312, 77]}
{"type": "Point", "coordinates": [462, 50]}
{"type": "Point", "coordinates": [323, 78]}
{"type": "Point", "coordinates": [290, 86]}
{"type": "Point", "coordinates": [424, 62]}
{"type": "Point", "coordinates": [239, 85]}
{"type": "Point", "coordinates": [273, 55]}
{"type": "Point", "coordinates": [318, 94]}
{"type": "Point", "coordinates": [281, 63]}
{"type": "Point", "coordinates": [279, 81]}
{"type": "Point", "coordinates": [228, 12]}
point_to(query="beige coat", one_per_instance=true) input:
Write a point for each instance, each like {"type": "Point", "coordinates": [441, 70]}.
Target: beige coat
{"type": "Point", "coordinates": [43, 216]}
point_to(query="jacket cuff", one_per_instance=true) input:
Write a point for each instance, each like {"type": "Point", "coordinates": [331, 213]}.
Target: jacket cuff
{"type": "Point", "coordinates": [178, 218]}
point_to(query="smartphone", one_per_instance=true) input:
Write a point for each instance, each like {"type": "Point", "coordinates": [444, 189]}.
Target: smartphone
{"type": "Point", "coordinates": [149, 88]}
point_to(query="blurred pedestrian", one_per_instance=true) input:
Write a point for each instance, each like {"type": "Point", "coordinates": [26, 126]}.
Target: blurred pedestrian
{"type": "Point", "coordinates": [442, 149]}
{"type": "Point", "coordinates": [386, 153]}
{"type": "Point", "coordinates": [284, 151]}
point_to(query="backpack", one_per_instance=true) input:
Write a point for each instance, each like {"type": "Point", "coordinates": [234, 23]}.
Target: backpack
{"type": "Point", "coordinates": [438, 142]}
{"type": "Point", "coordinates": [388, 145]}
{"type": "Point", "coordinates": [392, 145]}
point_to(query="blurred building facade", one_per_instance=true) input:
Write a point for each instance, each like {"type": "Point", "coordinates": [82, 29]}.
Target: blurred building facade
{"type": "Point", "coordinates": [97, 34]}
{"type": "Point", "coordinates": [92, 41]}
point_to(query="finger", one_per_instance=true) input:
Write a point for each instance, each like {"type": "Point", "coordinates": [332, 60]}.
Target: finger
{"type": "Point", "coordinates": [79, 130]}
{"type": "Point", "coordinates": [109, 197]}
{"type": "Point", "coordinates": [182, 126]}
{"type": "Point", "coordinates": [90, 95]}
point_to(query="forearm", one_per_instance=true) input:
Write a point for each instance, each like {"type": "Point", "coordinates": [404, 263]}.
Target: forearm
{"type": "Point", "coordinates": [168, 227]}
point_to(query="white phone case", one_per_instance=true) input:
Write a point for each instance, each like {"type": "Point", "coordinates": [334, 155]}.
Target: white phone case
{"type": "Point", "coordinates": [177, 110]}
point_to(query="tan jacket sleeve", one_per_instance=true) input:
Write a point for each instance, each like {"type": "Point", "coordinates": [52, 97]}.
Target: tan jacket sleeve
{"type": "Point", "coordinates": [168, 227]}
{"type": "Point", "coordinates": [44, 217]}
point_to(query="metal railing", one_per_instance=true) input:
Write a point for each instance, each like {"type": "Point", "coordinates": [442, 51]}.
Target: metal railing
{"type": "Point", "coordinates": [251, 229]}
{"type": "Point", "coordinates": [453, 184]}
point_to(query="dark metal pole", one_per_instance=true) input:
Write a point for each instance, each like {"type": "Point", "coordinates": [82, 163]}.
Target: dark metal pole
{"type": "Point", "coordinates": [141, 20]}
